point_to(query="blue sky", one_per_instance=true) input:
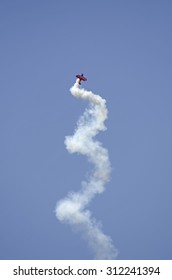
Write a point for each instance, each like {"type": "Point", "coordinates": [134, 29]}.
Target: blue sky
{"type": "Point", "coordinates": [124, 49]}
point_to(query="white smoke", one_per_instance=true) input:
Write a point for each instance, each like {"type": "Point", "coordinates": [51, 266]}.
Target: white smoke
{"type": "Point", "coordinates": [72, 209]}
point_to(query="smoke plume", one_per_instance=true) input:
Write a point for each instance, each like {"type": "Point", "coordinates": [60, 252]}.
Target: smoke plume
{"type": "Point", "coordinates": [73, 209]}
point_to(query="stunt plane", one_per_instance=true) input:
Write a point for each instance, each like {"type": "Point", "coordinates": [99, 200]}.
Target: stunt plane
{"type": "Point", "coordinates": [81, 78]}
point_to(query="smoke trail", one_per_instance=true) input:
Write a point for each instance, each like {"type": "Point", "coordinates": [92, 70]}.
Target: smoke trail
{"type": "Point", "coordinates": [72, 209]}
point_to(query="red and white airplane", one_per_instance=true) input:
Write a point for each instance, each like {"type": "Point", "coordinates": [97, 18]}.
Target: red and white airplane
{"type": "Point", "coordinates": [81, 78]}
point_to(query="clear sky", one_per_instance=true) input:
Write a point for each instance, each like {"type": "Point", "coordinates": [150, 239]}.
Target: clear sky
{"type": "Point", "coordinates": [125, 50]}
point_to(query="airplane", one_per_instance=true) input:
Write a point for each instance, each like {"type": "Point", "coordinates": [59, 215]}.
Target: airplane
{"type": "Point", "coordinates": [81, 78]}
